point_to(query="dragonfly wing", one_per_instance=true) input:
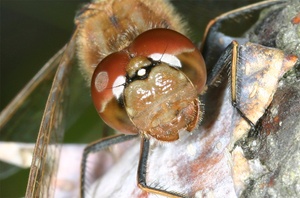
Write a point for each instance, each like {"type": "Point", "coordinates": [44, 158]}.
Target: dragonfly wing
{"type": "Point", "coordinates": [47, 70]}
{"type": "Point", "coordinates": [47, 149]}
{"type": "Point", "coordinates": [20, 120]}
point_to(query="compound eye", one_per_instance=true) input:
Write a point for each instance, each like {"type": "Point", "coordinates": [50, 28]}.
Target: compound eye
{"type": "Point", "coordinates": [173, 48]}
{"type": "Point", "coordinates": [107, 88]}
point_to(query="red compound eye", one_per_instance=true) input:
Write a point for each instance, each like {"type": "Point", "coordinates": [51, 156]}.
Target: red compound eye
{"type": "Point", "coordinates": [107, 87]}
{"type": "Point", "coordinates": [174, 49]}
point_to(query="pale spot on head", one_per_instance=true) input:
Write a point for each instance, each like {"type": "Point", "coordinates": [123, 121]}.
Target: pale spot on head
{"type": "Point", "coordinates": [101, 81]}
{"type": "Point", "coordinates": [166, 58]}
{"type": "Point", "coordinates": [141, 72]}
{"type": "Point", "coordinates": [118, 86]}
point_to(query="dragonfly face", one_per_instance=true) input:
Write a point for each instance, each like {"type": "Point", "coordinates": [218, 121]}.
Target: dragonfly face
{"type": "Point", "coordinates": [150, 75]}
{"type": "Point", "coordinates": [53, 132]}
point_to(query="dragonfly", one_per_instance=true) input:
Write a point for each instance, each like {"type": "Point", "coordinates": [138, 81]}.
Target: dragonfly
{"type": "Point", "coordinates": [53, 139]}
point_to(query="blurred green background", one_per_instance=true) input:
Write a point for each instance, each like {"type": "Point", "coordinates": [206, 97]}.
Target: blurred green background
{"type": "Point", "coordinates": [33, 30]}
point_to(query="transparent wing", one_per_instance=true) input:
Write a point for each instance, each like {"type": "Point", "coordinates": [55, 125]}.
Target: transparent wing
{"type": "Point", "coordinates": [68, 111]}
{"type": "Point", "coordinates": [20, 120]}
{"type": "Point", "coordinates": [69, 116]}
{"type": "Point", "coordinates": [18, 106]}
{"type": "Point", "coordinates": [47, 148]}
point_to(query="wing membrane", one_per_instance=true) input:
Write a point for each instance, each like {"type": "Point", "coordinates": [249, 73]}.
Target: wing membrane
{"type": "Point", "coordinates": [20, 120]}
{"type": "Point", "coordinates": [47, 149]}
{"type": "Point", "coordinates": [14, 118]}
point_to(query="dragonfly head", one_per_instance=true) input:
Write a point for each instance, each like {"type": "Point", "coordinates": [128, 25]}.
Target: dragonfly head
{"type": "Point", "coordinates": [152, 86]}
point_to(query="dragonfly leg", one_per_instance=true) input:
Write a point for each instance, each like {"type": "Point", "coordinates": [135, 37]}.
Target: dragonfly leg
{"type": "Point", "coordinates": [229, 59]}
{"type": "Point", "coordinates": [142, 171]}
{"type": "Point", "coordinates": [96, 147]}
